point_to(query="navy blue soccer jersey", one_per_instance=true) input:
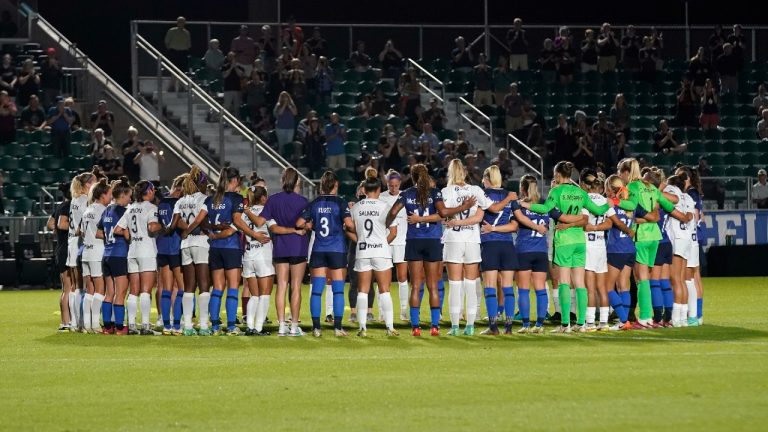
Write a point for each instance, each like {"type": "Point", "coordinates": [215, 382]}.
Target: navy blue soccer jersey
{"type": "Point", "coordinates": [327, 214]}
{"type": "Point", "coordinates": [114, 246]}
{"type": "Point", "coordinates": [700, 207]}
{"type": "Point", "coordinates": [231, 206]}
{"type": "Point", "coordinates": [167, 244]}
{"type": "Point", "coordinates": [421, 230]}
{"type": "Point", "coordinates": [497, 219]}
{"type": "Point", "coordinates": [528, 240]}
{"type": "Point", "coordinates": [618, 241]}
{"type": "Point", "coordinates": [663, 218]}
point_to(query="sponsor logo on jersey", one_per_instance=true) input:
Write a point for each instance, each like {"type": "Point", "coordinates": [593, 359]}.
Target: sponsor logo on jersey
{"type": "Point", "coordinates": [324, 210]}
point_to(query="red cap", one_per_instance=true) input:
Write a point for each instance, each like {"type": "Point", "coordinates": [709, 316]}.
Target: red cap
{"type": "Point", "coordinates": [51, 51]}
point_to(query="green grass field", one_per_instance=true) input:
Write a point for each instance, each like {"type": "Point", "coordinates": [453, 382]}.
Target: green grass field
{"type": "Point", "coordinates": [710, 378]}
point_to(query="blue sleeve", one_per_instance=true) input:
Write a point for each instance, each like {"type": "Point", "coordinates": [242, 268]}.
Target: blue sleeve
{"type": "Point", "coordinates": [237, 202]}
{"type": "Point", "coordinates": [100, 223]}
{"type": "Point", "coordinates": [696, 198]}
{"type": "Point", "coordinates": [208, 202]}
{"type": "Point", "coordinates": [437, 195]}
{"type": "Point", "coordinates": [640, 212]}
{"type": "Point", "coordinates": [514, 206]}
{"type": "Point", "coordinates": [344, 210]}
{"type": "Point", "coordinates": [306, 214]}
{"type": "Point", "coordinates": [555, 213]}
{"type": "Point", "coordinates": [400, 199]}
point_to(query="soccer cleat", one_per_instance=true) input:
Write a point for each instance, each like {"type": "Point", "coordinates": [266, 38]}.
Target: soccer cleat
{"type": "Point", "coordinates": [177, 332]}
{"type": "Point", "coordinates": [189, 332]}
{"type": "Point", "coordinates": [404, 316]}
{"type": "Point", "coordinates": [556, 317]}
{"type": "Point", "coordinates": [517, 317]}
{"type": "Point", "coordinates": [329, 318]}
{"type": "Point", "coordinates": [205, 332]}
{"type": "Point", "coordinates": [122, 332]}
{"type": "Point", "coordinates": [469, 330]}
{"type": "Point", "coordinates": [693, 322]}
{"type": "Point", "coordinates": [353, 317]}
{"type": "Point", "coordinates": [216, 331]}
{"type": "Point", "coordinates": [490, 332]}
{"type": "Point", "coordinates": [250, 332]}
{"type": "Point", "coordinates": [589, 328]}
{"type": "Point", "coordinates": [576, 328]}
{"type": "Point", "coordinates": [562, 329]}
{"type": "Point", "coordinates": [316, 332]}
{"type": "Point", "coordinates": [167, 332]}
{"type": "Point", "coordinates": [97, 329]}
{"type": "Point", "coordinates": [637, 325]}
{"type": "Point", "coordinates": [297, 333]}
{"type": "Point", "coordinates": [392, 332]}
{"type": "Point", "coordinates": [234, 331]}
{"type": "Point", "coordinates": [146, 330]}
{"type": "Point", "coordinates": [262, 333]}
{"type": "Point", "coordinates": [369, 317]}
{"type": "Point", "coordinates": [132, 330]}
{"type": "Point", "coordinates": [524, 330]}
{"type": "Point", "coordinates": [435, 331]}
{"type": "Point", "coordinates": [701, 321]}
{"type": "Point", "coordinates": [454, 331]}
{"type": "Point", "coordinates": [536, 330]}
{"type": "Point", "coordinates": [602, 327]}
{"type": "Point", "coordinates": [416, 331]}
{"type": "Point", "coordinates": [340, 333]}
{"type": "Point", "coordinates": [362, 333]}
{"type": "Point", "coordinates": [108, 331]}
{"type": "Point", "coordinates": [267, 320]}
{"type": "Point", "coordinates": [63, 328]}
{"type": "Point", "coordinates": [621, 326]}
{"type": "Point", "coordinates": [159, 322]}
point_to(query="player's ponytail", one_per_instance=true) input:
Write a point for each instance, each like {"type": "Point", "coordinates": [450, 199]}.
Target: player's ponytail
{"type": "Point", "coordinates": [198, 178]}
{"type": "Point", "coordinates": [255, 194]}
{"type": "Point", "coordinates": [120, 187]}
{"type": "Point", "coordinates": [421, 180]}
{"type": "Point", "coordinates": [678, 180]}
{"type": "Point", "coordinates": [457, 173]}
{"type": "Point", "coordinates": [98, 190]}
{"type": "Point", "coordinates": [328, 182]}
{"type": "Point", "coordinates": [289, 180]}
{"type": "Point", "coordinates": [564, 169]}
{"type": "Point", "coordinates": [78, 185]}
{"type": "Point", "coordinates": [225, 176]}
{"type": "Point", "coordinates": [589, 180]}
{"type": "Point", "coordinates": [141, 189]}
{"type": "Point", "coordinates": [632, 167]}
{"type": "Point", "coordinates": [613, 184]}
{"type": "Point", "coordinates": [372, 182]}
{"type": "Point", "coordinates": [529, 189]}
{"type": "Point", "coordinates": [493, 175]}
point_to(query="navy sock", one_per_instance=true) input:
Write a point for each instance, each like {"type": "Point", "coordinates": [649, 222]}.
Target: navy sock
{"type": "Point", "coordinates": [441, 291]}
{"type": "Point", "coordinates": [231, 307]}
{"type": "Point", "coordinates": [626, 300]}
{"type": "Point", "coordinates": [668, 298]}
{"type": "Point", "coordinates": [119, 316]}
{"type": "Point", "coordinates": [337, 287]}
{"type": "Point", "coordinates": [699, 307]}
{"type": "Point", "coordinates": [106, 314]}
{"type": "Point", "coordinates": [509, 302]}
{"type": "Point", "coordinates": [415, 312]}
{"type": "Point", "coordinates": [214, 309]}
{"type": "Point", "coordinates": [435, 315]}
{"type": "Point", "coordinates": [657, 299]}
{"type": "Point", "coordinates": [524, 304]}
{"type": "Point", "coordinates": [421, 292]}
{"type": "Point", "coordinates": [542, 304]}
{"type": "Point", "coordinates": [165, 307]}
{"type": "Point", "coordinates": [318, 286]}
{"type": "Point", "coordinates": [491, 304]}
{"type": "Point", "coordinates": [615, 299]}
{"type": "Point", "coordinates": [178, 310]}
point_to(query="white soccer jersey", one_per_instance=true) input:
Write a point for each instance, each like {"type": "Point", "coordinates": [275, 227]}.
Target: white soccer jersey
{"type": "Point", "coordinates": [685, 204]}
{"type": "Point", "coordinates": [188, 208]}
{"type": "Point", "coordinates": [76, 209]}
{"type": "Point", "coordinates": [370, 217]}
{"type": "Point", "coordinates": [597, 238]}
{"type": "Point", "coordinates": [401, 219]}
{"type": "Point", "coordinates": [93, 248]}
{"type": "Point", "coordinates": [454, 196]}
{"type": "Point", "coordinates": [254, 249]}
{"type": "Point", "coordinates": [136, 219]}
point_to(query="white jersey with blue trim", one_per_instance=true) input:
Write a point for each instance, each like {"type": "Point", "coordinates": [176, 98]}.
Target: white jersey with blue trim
{"type": "Point", "coordinates": [370, 217]}
{"type": "Point", "coordinates": [597, 238]}
{"type": "Point", "coordinates": [454, 196]}
{"type": "Point", "coordinates": [136, 219]}
{"type": "Point", "coordinates": [254, 249]}
{"type": "Point", "coordinates": [401, 219]}
{"type": "Point", "coordinates": [93, 248]}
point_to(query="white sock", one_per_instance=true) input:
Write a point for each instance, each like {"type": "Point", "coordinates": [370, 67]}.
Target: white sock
{"type": "Point", "coordinates": [676, 309]}
{"type": "Point", "coordinates": [403, 294]}
{"type": "Point", "coordinates": [145, 303]}
{"type": "Point", "coordinates": [388, 312]}
{"type": "Point", "coordinates": [378, 303]}
{"type": "Point", "coordinates": [261, 311]}
{"type": "Point", "coordinates": [78, 302]}
{"type": "Point", "coordinates": [693, 306]}
{"type": "Point", "coordinates": [204, 299]}
{"type": "Point", "coordinates": [132, 306]}
{"type": "Point", "coordinates": [604, 314]}
{"type": "Point", "coordinates": [362, 309]}
{"type": "Point", "coordinates": [72, 315]}
{"type": "Point", "coordinates": [470, 288]}
{"type": "Point", "coordinates": [294, 326]}
{"type": "Point", "coordinates": [454, 301]}
{"type": "Point", "coordinates": [480, 296]}
{"type": "Point", "coordinates": [591, 315]}
{"type": "Point", "coordinates": [98, 299]}
{"type": "Point", "coordinates": [555, 296]}
{"type": "Point", "coordinates": [87, 304]}
{"type": "Point", "coordinates": [187, 309]}
{"type": "Point", "coordinates": [250, 312]}
{"type": "Point", "coordinates": [684, 312]}
{"type": "Point", "coordinates": [328, 300]}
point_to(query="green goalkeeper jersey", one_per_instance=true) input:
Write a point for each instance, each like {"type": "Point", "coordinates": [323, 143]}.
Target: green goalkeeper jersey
{"type": "Point", "coordinates": [646, 196]}
{"type": "Point", "coordinates": [569, 199]}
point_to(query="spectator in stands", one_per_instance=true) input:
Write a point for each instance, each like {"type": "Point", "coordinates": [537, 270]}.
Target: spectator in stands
{"type": "Point", "coordinates": [296, 85]}
{"type": "Point", "coordinates": [7, 74]}
{"type": "Point", "coordinates": [408, 140]}
{"type": "Point", "coordinates": [380, 105]}
{"type": "Point", "coordinates": [630, 50]}
{"type": "Point", "coordinates": [303, 126]}
{"type": "Point", "coordinates": [27, 83]}
{"type": "Point", "coordinates": [518, 46]}
{"type": "Point", "coordinates": [285, 113]}
{"type": "Point", "coordinates": [537, 143]}
{"type": "Point", "coordinates": [359, 60]}
{"type": "Point", "coordinates": [739, 41]}
{"type": "Point", "coordinates": [32, 116]}
{"type": "Point", "coordinates": [502, 77]}
{"type": "Point", "coordinates": [657, 40]}
{"type": "Point", "coordinates": [335, 135]}
{"type": "Point", "coordinates": [761, 100]}
{"type": "Point", "coordinates": [604, 141]}
{"type": "Point", "coordinates": [410, 92]}
{"type": "Point", "coordinates": [364, 107]}
{"type": "Point", "coordinates": [245, 50]}
{"type": "Point", "coordinates": [513, 106]}
{"type": "Point", "coordinates": [8, 28]}
{"type": "Point", "coordinates": [394, 153]}
{"type": "Point", "coordinates": [481, 161]}
{"type": "Point", "coordinates": [762, 126]}
{"type": "Point", "coordinates": [447, 150]}
{"type": "Point", "coordinates": [429, 139]}
{"type": "Point", "coordinates": [435, 116]}
{"type": "Point", "coordinates": [109, 162]}
{"type": "Point", "coordinates": [255, 95]}
{"type": "Point", "coordinates": [565, 144]}
{"type": "Point", "coordinates": [391, 60]}
{"type": "Point", "coordinates": [474, 175]}
{"type": "Point", "coordinates": [50, 77]}
{"type": "Point", "coordinates": [664, 140]}
{"type": "Point", "coordinates": [710, 111]}
{"type": "Point", "coordinates": [316, 43]}
{"type": "Point", "coordinates": [621, 149]}
{"type": "Point", "coordinates": [711, 187]}
{"type": "Point", "coordinates": [130, 148]}
{"type": "Point", "coordinates": [699, 70]}
{"type": "Point", "coordinates": [323, 81]}
{"type": "Point", "coordinates": [263, 123]}
{"type": "Point", "coordinates": [103, 118]}
{"type": "Point", "coordinates": [483, 79]}
{"type": "Point", "coordinates": [588, 52]}
{"type": "Point", "coordinates": [213, 57]}
{"type": "Point", "coordinates": [60, 119]}
{"type": "Point", "coordinates": [314, 146]}
{"type": "Point", "coordinates": [177, 44]}
{"type": "Point", "coordinates": [620, 115]}
{"type": "Point", "coordinates": [648, 61]}
{"type": "Point", "coordinates": [2, 199]}
{"type": "Point", "coordinates": [504, 163]}
{"type": "Point", "coordinates": [582, 132]}
{"type": "Point", "coordinates": [233, 72]}
{"type": "Point", "coordinates": [149, 160]}
{"type": "Point", "coordinates": [686, 100]}
{"type": "Point", "coordinates": [76, 124]}
{"type": "Point", "coordinates": [716, 41]}
{"type": "Point", "coordinates": [461, 56]}
{"type": "Point", "coordinates": [7, 118]}
{"type": "Point", "coordinates": [760, 190]}
{"type": "Point", "coordinates": [548, 61]}
{"type": "Point", "coordinates": [566, 59]}
{"type": "Point", "coordinates": [728, 66]}
{"type": "Point", "coordinates": [607, 48]}
{"type": "Point", "coordinates": [98, 143]}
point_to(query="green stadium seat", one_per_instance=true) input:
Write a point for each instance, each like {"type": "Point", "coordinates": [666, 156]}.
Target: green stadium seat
{"type": "Point", "coordinates": [749, 147]}
{"type": "Point", "coordinates": [29, 163]}
{"type": "Point", "coordinates": [365, 87]}
{"type": "Point", "coordinates": [14, 149]}
{"type": "Point", "coordinates": [351, 75]}
{"type": "Point", "coordinates": [9, 163]}
{"type": "Point", "coordinates": [695, 134]}
{"type": "Point", "coordinates": [712, 134]}
{"type": "Point", "coordinates": [730, 134]}
{"type": "Point", "coordinates": [376, 122]}
{"type": "Point", "coordinates": [734, 171]}
{"type": "Point", "coordinates": [748, 134]}
{"type": "Point", "coordinates": [80, 135]}
{"type": "Point", "coordinates": [713, 147]}
{"type": "Point", "coordinates": [715, 159]}
{"type": "Point", "coordinates": [44, 177]}
{"type": "Point", "coordinates": [352, 147]}
{"type": "Point", "coordinates": [347, 87]}
{"type": "Point", "coordinates": [34, 149]}
{"type": "Point", "coordinates": [731, 159]}
{"type": "Point", "coordinates": [354, 135]}
{"type": "Point", "coordinates": [734, 185]}
{"type": "Point", "coordinates": [21, 177]}
{"type": "Point", "coordinates": [385, 86]}
{"type": "Point", "coordinates": [696, 147]}
{"type": "Point", "coordinates": [731, 147]}
{"type": "Point", "coordinates": [729, 121]}
{"type": "Point", "coordinates": [357, 122]}
{"type": "Point", "coordinates": [13, 191]}
{"type": "Point", "coordinates": [23, 206]}
{"type": "Point", "coordinates": [745, 110]}
{"type": "Point", "coordinates": [763, 159]}
{"type": "Point", "coordinates": [341, 110]}
{"type": "Point", "coordinates": [369, 75]}
{"type": "Point", "coordinates": [718, 171]}
{"type": "Point", "coordinates": [22, 137]}
{"type": "Point", "coordinates": [51, 163]}
{"type": "Point", "coordinates": [750, 159]}
{"type": "Point", "coordinates": [61, 175]}
{"type": "Point", "coordinates": [642, 147]}
{"type": "Point", "coordinates": [372, 135]}
{"type": "Point", "coordinates": [642, 122]}
{"type": "Point", "coordinates": [86, 163]}
{"type": "Point", "coordinates": [642, 134]}
{"type": "Point", "coordinates": [71, 163]}
{"type": "Point", "coordinates": [33, 191]}
{"type": "Point", "coordinates": [346, 99]}
{"type": "Point", "coordinates": [447, 134]}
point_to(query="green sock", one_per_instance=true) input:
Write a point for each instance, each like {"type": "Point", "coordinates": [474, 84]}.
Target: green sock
{"type": "Point", "coordinates": [581, 305]}
{"type": "Point", "coordinates": [644, 299]}
{"type": "Point", "coordinates": [564, 291]}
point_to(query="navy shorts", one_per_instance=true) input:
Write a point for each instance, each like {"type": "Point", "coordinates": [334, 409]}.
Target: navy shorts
{"type": "Point", "coordinates": [227, 259]}
{"type": "Point", "coordinates": [664, 254]}
{"type": "Point", "coordinates": [621, 260]}
{"type": "Point", "coordinates": [430, 250]}
{"type": "Point", "coordinates": [61, 258]}
{"type": "Point", "coordinates": [172, 261]}
{"type": "Point", "coordinates": [534, 261]}
{"type": "Point", "coordinates": [331, 260]}
{"type": "Point", "coordinates": [289, 260]}
{"type": "Point", "coordinates": [115, 266]}
{"type": "Point", "coordinates": [498, 255]}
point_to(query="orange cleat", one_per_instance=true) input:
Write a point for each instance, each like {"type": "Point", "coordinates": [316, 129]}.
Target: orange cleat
{"type": "Point", "coordinates": [416, 331]}
{"type": "Point", "coordinates": [435, 331]}
{"type": "Point", "coordinates": [122, 332]}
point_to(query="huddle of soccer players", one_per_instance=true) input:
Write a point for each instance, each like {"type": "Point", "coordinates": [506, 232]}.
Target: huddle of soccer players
{"type": "Point", "coordinates": [117, 241]}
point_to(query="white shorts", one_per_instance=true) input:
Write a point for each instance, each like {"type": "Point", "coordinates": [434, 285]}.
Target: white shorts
{"type": "Point", "coordinates": [682, 247]}
{"type": "Point", "coordinates": [92, 269]}
{"type": "Point", "coordinates": [693, 258]}
{"type": "Point", "coordinates": [597, 260]}
{"type": "Point", "coordinates": [375, 264]}
{"type": "Point", "coordinates": [194, 255]}
{"type": "Point", "coordinates": [398, 253]}
{"type": "Point", "coordinates": [258, 268]}
{"type": "Point", "coordinates": [72, 254]}
{"type": "Point", "coordinates": [140, 265]}
{"type": "Point", "coordinates": [462, 253]}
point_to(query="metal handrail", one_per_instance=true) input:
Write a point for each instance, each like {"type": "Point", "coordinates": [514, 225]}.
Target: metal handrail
{"type": "Point", "coordinates": [429, 75]}
{"type": "Point", "coordinates": [480, 128]}
{"type": "Point", "coordinates": [425, 87]}
{"type": "Point", "coordinates": [489, 133]}
{"type": "Point", "coordinates": [426, 72]}
{"type": "Point", "coordinates": [530, 150]}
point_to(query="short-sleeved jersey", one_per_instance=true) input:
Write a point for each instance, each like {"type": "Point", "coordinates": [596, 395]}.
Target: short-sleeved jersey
{"type": "Point", "coordinates": [422, 230]}
{"type": "Point", "coordinates": [685, 204]}
{"type": "Point", "coordinates": [285, 208]}
{"type": "Point", "coordinates": [696, 196]}
{"type": "Point", "coordinates": [327, 214]}
{"type": "Point", "coordinates": [167, 244]}
{"type": "Point", "coordinates": [76, 209]}
{"type": "Point", "coordinates": [647, 196]}
{"type": "Point", "coordinates": [596, 238]}
{"type": "Point", "coordinates": [188, 208]}
{"type": "Point", "coordinates": [619, 241]}
{"type": "Point", "coordinates": [230, 207]}
{"type": "Point", "coordinates": [136, 219]}
{"type": "Point", "coordinates": [454, 196]}
{"type": "Point", "coordinates": [93, 248]}
{"type": "Point", "coordinates": [254, 249]}
{"type": "Point", "coordinates": [61, 211]}
{"type": "Point", "coordinates": [663, 220]}
{"type": "Point", "coordinates": [401, 218]}
{"type": "Point", "coordinates": [528, 240]}
{"type": "Point", "coordinates": [114, 246]}
{"type": "Point", "coordinates": [497, 219]}
{"type": "Point", "coordinates": [569, 199]}
{"type": "Point", "coordinates": [370, 217]}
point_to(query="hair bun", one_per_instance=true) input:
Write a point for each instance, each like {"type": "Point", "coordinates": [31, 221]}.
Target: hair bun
{"type": "Point", "coordinates": [371, 173]}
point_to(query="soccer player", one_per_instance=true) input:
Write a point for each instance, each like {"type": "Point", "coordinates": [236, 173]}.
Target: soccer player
{"type": "Point", "coordinates": [662, 297]}
{"type": "Point", "coordinates": [141, 223]}
{"type": "Point", "coordinates": [693, 274]}
{"type": "Point", "coordinates": [374, 257]}
{"type": "Point", "coordinates": [93, 254]}
{"type": "Point", "coordinates": [681, 235]}
{"type": "Point", "coordinates": [115, 263]}
{"type": "Point", "coordinates": [59, 221]}
{"type": "Point", "coordinates": [398, 244]}
{"type": "Point", "coordinates": [258, 270]}
{"type": "Point", "coordinates": [79, 189]}
{"type": "Point", "coordinates": [425, 209]}
{"type": "Point", "coordinates": [570, 244]}
{"type": "Point", "coordinates": [169, 260]}
{"type": "Point", "coordinates": [327, 216]}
